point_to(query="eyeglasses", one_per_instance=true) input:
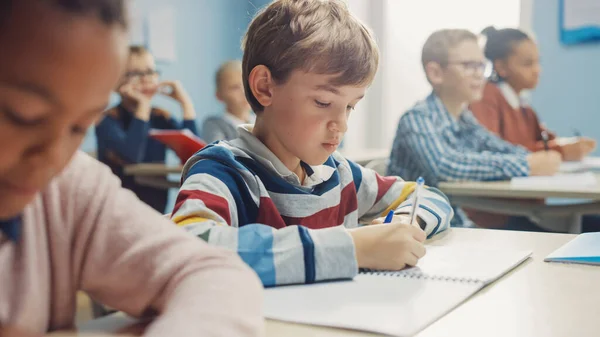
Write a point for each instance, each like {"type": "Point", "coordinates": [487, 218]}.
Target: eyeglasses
{"type": "Point", "coordinates": [471, 67]}
{"type": "Point", "coordinates": [142, 74]}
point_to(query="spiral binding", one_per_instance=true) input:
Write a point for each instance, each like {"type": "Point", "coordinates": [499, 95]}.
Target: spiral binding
{"type": "Point", "coordinates": [418, 276]}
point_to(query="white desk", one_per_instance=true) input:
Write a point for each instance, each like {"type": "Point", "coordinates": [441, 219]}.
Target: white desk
{"type": "Point", "coordinates": [503, 189]}
{"type": "Point", "coordinates": [501, 197]}
{"type": "Point", "coordinates": [535, 299]}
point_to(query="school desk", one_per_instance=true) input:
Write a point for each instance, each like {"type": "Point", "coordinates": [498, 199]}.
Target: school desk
{"type": "Point", "coordinates": [535, 299]}
{"type": "Point", "coordinates": [502, 197]}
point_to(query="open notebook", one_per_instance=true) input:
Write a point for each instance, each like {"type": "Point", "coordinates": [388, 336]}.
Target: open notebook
{"type": "Point", "coordinates": [394, 303]}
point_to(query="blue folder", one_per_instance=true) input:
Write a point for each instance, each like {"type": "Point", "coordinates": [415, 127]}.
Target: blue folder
{"type": "Point", "coordinates": [585, 249]}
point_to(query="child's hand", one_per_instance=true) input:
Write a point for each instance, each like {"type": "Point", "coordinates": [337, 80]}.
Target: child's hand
{"type": "Point", "coordinates": [577, 150]}
{"type": "Point", "coordinates": [389, 246]}
{"type": "Point", "coordinates": [143, 103]}
{"type": "Point", "coordinates": [403, 218]}
{"type": "Point", "coordinates": [175, 90]}
{"type": "Point", "coordinates": [544, 163]}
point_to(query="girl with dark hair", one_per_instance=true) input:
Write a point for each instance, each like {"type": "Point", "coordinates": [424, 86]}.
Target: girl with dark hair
{"type": "Point", "coordinates": [516, 68]}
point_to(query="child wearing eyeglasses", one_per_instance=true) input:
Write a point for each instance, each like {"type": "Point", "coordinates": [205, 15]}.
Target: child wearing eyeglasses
{"type": "Point", "coordinates": [122, 135]}
{"type": "Point", "coordinates": [440, 140]}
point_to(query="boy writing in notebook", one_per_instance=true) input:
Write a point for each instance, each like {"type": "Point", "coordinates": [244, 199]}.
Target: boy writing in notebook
{"type": "Point", "coordinates": [440, 139]}
{"type": "Point", "coordinates": [280, 194]}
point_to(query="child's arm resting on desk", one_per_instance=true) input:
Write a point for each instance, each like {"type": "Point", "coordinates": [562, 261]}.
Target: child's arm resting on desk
{"type": "Point", "coordinates": [212, 203]}
{"type": "Point", "coordinates": [129, 257]}
{"type": "Point", "coordinates": [378, 195]}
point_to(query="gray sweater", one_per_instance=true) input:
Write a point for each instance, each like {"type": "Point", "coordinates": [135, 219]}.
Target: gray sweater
{"type": "Point", "coordinates": [218, 128]}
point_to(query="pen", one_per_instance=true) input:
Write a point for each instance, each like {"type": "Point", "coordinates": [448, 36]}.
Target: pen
{"type": "Point", "coordinates": [416, 199]}
{"type": "Point", "coordinates": [389, 217]}
{"type": "Point", "coordinates": [545, 139]}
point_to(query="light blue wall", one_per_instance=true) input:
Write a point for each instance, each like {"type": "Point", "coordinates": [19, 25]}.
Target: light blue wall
{"type": "Point", "coordinates": [568, 95]}
{"type": "Point", "coordinates": [208, 32]}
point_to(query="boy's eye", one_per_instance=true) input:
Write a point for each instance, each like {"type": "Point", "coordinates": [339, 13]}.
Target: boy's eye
{"type": "Point", "coordinates": [322, 104]}
{"type": "Point", "coordinates": [349, 108]}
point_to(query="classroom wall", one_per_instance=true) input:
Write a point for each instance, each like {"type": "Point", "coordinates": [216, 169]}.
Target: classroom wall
{"type": "Point", "coordinates": [208, 32]}
{"type": "Point", "coordinates": [568, 95]}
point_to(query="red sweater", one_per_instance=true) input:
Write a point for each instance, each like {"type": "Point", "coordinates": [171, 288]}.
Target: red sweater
{"type": "Point", "coordinates": [500, 112]}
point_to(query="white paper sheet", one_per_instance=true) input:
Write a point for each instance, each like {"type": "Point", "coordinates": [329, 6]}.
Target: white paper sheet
{"type": "Point", "coordinates": [566, 181]}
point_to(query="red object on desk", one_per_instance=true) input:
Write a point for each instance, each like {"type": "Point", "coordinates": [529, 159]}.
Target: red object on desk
{"type": "Point", "coordinates": [183, 142]}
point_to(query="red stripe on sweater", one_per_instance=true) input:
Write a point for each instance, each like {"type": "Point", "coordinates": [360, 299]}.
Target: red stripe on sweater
{"type": "Point", "coordinates": [329, 217]}
{"type": "Point", "coordinates": [383, 185]}
{"type": "Point", "coordinates": [268, 214]}
{"type": "Point", "coordinates": [214, 202]}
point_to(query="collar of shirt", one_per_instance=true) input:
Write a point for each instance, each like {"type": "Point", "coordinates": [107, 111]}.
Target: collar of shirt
{"type": "Point", "coordinates": [438, 109]}
{"type": "Point", "coordinates": [11, 228]}
{"type": "Point", "coordinates": [515, 100]}
{"type": "Point", "coordinates": [259, 152]}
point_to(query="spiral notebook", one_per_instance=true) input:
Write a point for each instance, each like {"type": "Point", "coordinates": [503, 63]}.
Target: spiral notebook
{"type": "Point", "coordinates": [394, 303]}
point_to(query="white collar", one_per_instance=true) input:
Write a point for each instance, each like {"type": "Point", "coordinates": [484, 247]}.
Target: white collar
{"type": "Point", "coordinates": [515, 100]}
{"type": "Point", "coordinates": [259, 152]}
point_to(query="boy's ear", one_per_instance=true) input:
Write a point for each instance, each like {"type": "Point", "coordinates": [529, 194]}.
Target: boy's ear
{"type": "Point", "coordinates": [218, 95]}
{"type": "Point", "coordinates": [434, 73]}
{"type": "Point", "coordinates": [261, 84]}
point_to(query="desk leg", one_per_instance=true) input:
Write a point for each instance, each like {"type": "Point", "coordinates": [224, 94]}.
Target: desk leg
{"type": "Point", "coordinates": [576, 223]}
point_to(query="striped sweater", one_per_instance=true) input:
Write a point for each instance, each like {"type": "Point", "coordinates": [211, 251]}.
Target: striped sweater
{"type": "Point", "coordinates": [238, 195]}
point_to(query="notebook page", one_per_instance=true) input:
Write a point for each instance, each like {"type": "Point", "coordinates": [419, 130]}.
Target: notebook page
{"type": "Point", "coordinates": [568, 181]}
{"type": "Point", "coordinates": [466, 263]}
{"type": "Point", "coordinates": [400, 303]}
{"type": "Point", "coordinates": [587, 164]}
{"type": "Point", "coordinates": [388, 305]}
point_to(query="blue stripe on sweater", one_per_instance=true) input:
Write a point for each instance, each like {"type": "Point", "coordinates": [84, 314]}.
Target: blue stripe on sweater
{"type": "Point", "coordinates": [356, 174]}
{"type": "Point", "coordinates": [247, 210]}
{"type": "Point", "coordinates": [309, 254]}
{"type": "Point", "coordinates": [255, 246]}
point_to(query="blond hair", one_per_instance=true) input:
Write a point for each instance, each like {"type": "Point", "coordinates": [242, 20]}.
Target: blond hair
{"type": "Point", "coordinates": [438, 45]}
{"type": "Point", "coordinates": [319, 36]}
{"type": "Point", "coordinates": [138, 50]}
{"type": "Point", "coordinates": [224, 68]}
